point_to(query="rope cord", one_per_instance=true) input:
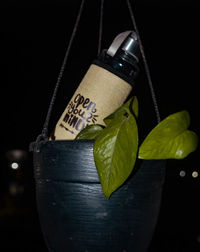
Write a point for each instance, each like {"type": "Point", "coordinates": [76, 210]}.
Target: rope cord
{"type": "Point", "coordinates": [44, 134]}
{"type": "Point", "coordinates": [100, 27]}
{"type": "Point", "coordinates": [145, 63]}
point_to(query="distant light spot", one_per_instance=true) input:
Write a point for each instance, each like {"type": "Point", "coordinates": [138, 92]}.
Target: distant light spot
{"type": "Point", "coordinates": [182, 174]}
{"type": "Point", "coordinates": [195, 174]}
{"type": "Point", "coordinates": [14, 166]}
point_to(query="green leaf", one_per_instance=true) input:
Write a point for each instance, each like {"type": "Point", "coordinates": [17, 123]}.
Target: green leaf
{"type": "Point", "coordinates": [115, 152]}
{"type": "Point", "coordinates": [90, 132]}
{"type": "Point", "coordinates": [130, 105]}
{"type": "Point", "coordinates": [170, 139]}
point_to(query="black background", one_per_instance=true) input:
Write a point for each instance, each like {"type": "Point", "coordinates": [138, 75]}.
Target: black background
{"type": "Point", "coordinates": [33, 38]}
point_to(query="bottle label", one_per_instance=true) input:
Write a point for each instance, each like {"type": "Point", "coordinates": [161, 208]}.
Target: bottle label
{"type": "Point", "coordinates": [99, 94]}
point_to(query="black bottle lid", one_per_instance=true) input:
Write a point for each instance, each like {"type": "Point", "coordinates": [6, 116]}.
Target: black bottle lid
{"type": "Point", "coordinates": [125, 46]}
{"type": "Point", "coordinates": [122, 57]}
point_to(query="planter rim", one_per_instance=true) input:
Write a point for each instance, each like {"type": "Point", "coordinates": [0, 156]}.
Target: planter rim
{"type": "Point", "coordinates": [73, 161]}
{"type": "Point", "coordinates": [34, 146]}
{"type": "Point", "coordinates": [62, 160]}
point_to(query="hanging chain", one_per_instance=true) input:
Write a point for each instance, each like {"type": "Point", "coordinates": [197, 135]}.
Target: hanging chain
{"type": "Point", "coordinates": [44, 134]}
{"type": "Point", "coordinates": [100, 26]}
{"type": "Point", "coordinates": [145, 63]}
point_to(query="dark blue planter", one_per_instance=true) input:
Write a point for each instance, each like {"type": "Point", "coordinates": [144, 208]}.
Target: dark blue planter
{"type": "Point", "coordinates": [74, 214]}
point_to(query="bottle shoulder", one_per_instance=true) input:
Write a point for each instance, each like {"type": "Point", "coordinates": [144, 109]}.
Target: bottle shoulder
{"type": "Point", "coordinates": [121, 74]}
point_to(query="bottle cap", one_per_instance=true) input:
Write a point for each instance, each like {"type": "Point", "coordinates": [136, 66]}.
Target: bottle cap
{"type": "Point", "coordinates": [128, 43]}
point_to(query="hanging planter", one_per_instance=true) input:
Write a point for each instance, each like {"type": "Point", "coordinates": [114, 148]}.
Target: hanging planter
{"type": "Point", "coordinates": [74, 181]}
{"type": "Point", "coordinates": [73, 188]}
{"type": "Point", "coordinates": [73, 211]}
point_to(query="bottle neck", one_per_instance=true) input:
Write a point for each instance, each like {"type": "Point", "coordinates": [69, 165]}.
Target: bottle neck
{"type": "Point", "coordinates": [118, 67]}
{"type": "Point", "coordinates": [122, 63]}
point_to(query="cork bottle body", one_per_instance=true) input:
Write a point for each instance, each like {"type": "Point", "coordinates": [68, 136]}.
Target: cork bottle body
{"type": "Point", "coordinates": [99, 94]}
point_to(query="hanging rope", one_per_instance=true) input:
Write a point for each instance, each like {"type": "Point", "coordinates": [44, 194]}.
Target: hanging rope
{"type": "Point", "coordinates": [145, 63]}
{"type": "Point", "coordinates": [100, 26]}
{"type": "Point", "coordinates": [44, 134]}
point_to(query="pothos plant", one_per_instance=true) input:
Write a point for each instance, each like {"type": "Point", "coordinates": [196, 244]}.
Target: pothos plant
{"type": "Point", "coordinates": [116, 144]}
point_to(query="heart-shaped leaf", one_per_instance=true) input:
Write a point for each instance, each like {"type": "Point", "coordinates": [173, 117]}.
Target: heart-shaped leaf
{"type": "Point", "coordinates": [90, 132]}
{"type": "Point", "coordinates": [130, 105]}
{"type": "Point", "coordinates": [115, 152]}
{"type": "Point", "coordinates": [170, 139]}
